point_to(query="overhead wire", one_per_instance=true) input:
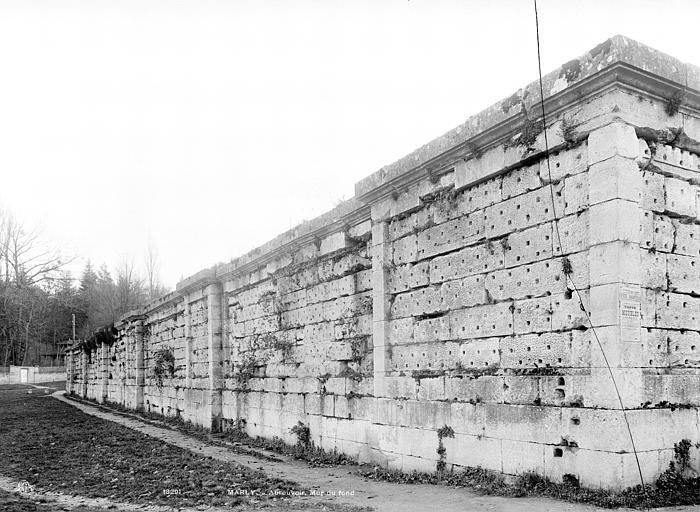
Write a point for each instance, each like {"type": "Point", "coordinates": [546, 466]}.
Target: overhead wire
{"type": "Point", "coordinates": [568, 273]}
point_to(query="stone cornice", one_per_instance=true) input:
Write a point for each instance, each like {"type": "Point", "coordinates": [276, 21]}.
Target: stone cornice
{"type": "Point", "coordinates": [620, 75]}
{"type": "Point", "coordinates": [162, 302]}
{"type": "Point", "coordinates": [130, 316]}
{"type": "Point", "coordinates": [349, 213]}
{"type": "Point", "coordinates": [195, 282]}
{"type": "Point", "coordinates": [618, 60]}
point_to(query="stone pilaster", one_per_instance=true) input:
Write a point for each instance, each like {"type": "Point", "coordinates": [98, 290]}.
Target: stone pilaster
{"type": "Point", "coordinates": [381, 257]}
{"type": "Point", "coordinates": [69, 370]}
{"type": "Point", "coordinates": [139, 362]}
{"type": "Point", "coordinates": [214, 335]}
{"type": "Point", "coordinates": [104, 372]}
{"type": "Point", "coordinates": [615, 271]}
{"type": "Point", "coordinates": [188, 344]}
{"type": "Point", "coordinates": [84, 372]}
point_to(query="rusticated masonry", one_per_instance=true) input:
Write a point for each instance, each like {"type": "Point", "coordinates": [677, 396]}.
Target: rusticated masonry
{"type": "Point", "coordinates": [469, 297]}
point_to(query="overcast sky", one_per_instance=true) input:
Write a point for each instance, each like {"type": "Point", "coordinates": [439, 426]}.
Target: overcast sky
{"type": "Point", "coordinates": [210, 127]}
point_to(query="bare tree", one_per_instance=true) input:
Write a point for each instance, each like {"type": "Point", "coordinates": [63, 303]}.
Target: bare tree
{"type": "Point", "coordinates": [129, 291]}
{"type": "Point", "coordinates": [154, 287]}
{"type": "Point", "coordinates": [30, 268]}
{"type": "Point", "coordinates": [28, 260]}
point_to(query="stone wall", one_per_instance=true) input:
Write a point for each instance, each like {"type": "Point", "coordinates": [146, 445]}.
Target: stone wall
{"type": "Point", "coordinates": [475, 283]}
{"type": "Point", "coordinates": [34, 374]}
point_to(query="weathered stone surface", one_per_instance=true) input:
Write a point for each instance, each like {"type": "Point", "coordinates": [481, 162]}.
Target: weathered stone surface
{"type": "Point", "coordinates": [450, 292]}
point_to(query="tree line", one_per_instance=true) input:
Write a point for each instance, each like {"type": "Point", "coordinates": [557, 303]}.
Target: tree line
{"type": "Point", "coordinates": [39, 296]}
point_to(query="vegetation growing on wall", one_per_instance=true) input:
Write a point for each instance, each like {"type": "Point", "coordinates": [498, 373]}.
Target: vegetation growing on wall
{"type": "Point", "coordinates": [569, 132]}
{"type": "Point", "coordinates": [528, 134]}
{"type": "Point", "coordinates": [163, 365]}
{"type": "Point", "coordinates": [675, 474]}
{"type": "Point", "coordinates": [284, 347]}
{"type": "Point", "coordinates": [245, 368]}
{"type": "Point", "coordinates": [303, 433]}
{"type": "Point", "coordinates": [674, 103]}
{"type": "Point", "coordinates": [443, 432]}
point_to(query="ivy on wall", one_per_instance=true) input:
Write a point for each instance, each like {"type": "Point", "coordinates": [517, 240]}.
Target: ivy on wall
{"type": "Point", "coordinates": [163, 365]}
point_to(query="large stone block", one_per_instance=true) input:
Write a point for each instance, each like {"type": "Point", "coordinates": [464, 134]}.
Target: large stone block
{"type": "Point", "coordinates": [432, 329]}
{"type": "Point", "coordinates": [614, 262]}
{"type": "Point", "coordinates": [472, 198]}
{"type": "Point", "coordinates": [533, 315]}
{"type": "Point", "coordinates": [409, 463]}
{"type": "Point", "coordinates": [431, 389]}
{"type": "Point", "coordinates": [399, 227]}
{"type": "Point", "coordinates": [520, 457]}
{"type": "Point", "coordinates": [474, 451]}
{"type": "Point", "coordinates": [431, 415]}
{"type": "Point", "coordinates": [683, 389]}
{"type": "Point", "coordinates": [677, 311]}
{"type": "Point", "coordinates": [522, 423]}
{"type": "Point", "coordinates": [406, 201]}
{"type": "Point", "coordinates": [655, 429]}
{"type": "Point", "coordinates": [681, 197]}
{"type": "Point", "coordinates": [476, 355]}
{"type": "Point", "coordinates": [450, 235]}
{"type": "Point", "coordinates": [477, 169]}
{"type": "Point", "coordinates": [360, 408]}
{"type": "Point", "coordinates": [405, 277]}
{"type": "Point", "coordinates": [461, 388]}
{"type": "Point", "coordinates": [618, 304]}
{"type": "Point", "coordinates": [532, 244]}
{"type": "Point", "coordinates": [466, 262]}
{"type": "Point", "coordinates": [424, 301]}
{"type": "Point", "coordinates": [520, 389]}
{"type": "Point", "coordinates": [576, 193]}
{"type": "Point", "coordinates": [567, 312]}
{"type": "Point", "coordinates": [648, 307]}
{"type": "Point", "coordinates": [482, 321]}
{"type": "Point", "coordinates": [460, 293]}
{"type": "Point", "coordinates": [436, 184]}
{"type": "Point", "coordinates": [573, 230]}
{"type": "Point", "coordinates": [552, 349]}
{"type": "Point", "coordinates": [523, 211]}
{"type": "Point", "coordinates": [683, 348]}
{"type": "Point", "coordinates": [676, 162]}
{"type": "Point", "coordinates": [687, 238]}
{"type": "Point", "coordinates": [531, 280]}
{"type": "Point", "coordinates": [614, 178]}
{"type": "Point", "coordinates": [615, 139]}
{"type": "Point", "coordinates": [684, 274]}
{"type": "Point", "coordinates": [421, 443]}
{"type": "Point", "coordinates": [405, 250]}
{"type": "Point", "coordinates": [653, 269]}
{"type": "Point", "coordinates": [564, 163]}
{"type": "Point", "coordinates": [401, 387]}
{"type": "Point", "coordinates": [657, 232]}
{"type": "Point", "coordinates": [602, 393]}
{"type": "Point", "coordinates": [614, 220]}
{"type": "Point", "coordinates": [400, 331]}
{"type": "Point", "coordinates": [521, 180]}
{"type": "Point", "coordinates": [653, 197]}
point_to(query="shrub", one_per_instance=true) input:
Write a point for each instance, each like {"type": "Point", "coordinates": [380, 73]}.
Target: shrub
{"type": "Point", "coordinates": [163, 365]}
{"type": "Point", "coordinates": [303, 433]}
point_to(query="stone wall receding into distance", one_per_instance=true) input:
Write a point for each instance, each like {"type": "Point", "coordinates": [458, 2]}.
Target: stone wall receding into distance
{"type": "Point", "coordinates": [446, 292]}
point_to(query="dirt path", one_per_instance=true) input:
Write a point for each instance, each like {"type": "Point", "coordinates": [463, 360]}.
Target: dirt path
{"type": "Point", "coordinates": [360, 492]}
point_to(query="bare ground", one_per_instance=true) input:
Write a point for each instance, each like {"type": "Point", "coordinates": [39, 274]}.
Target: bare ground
{"type": "Point", "coordinates": [340, 482]}
{"type": "Point", "coordinates": [307, 488]}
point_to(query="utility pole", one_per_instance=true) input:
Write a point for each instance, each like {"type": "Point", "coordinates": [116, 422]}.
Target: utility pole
{"type": "Point", "coordinates": [73, 327]}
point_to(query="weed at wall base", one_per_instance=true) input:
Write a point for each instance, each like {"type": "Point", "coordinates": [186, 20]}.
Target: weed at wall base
{"type": "Point", "coordinates": [672, 488]}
